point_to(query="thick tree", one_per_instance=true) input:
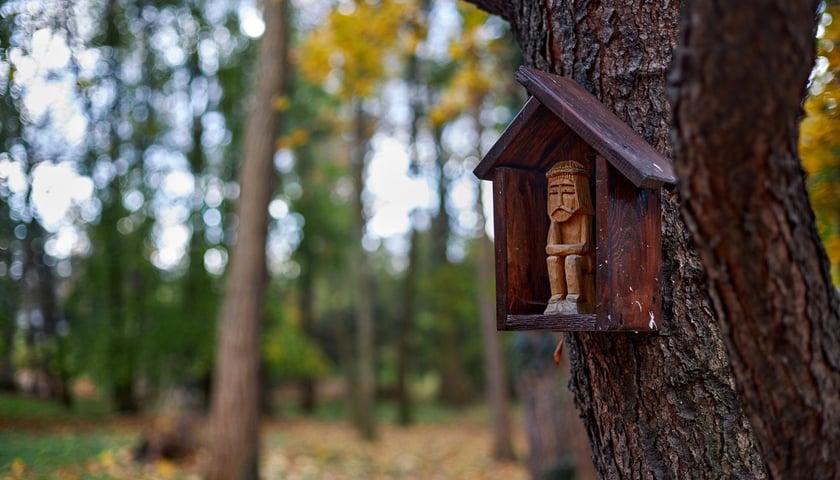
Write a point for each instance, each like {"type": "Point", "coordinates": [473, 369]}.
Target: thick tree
{"type": "Point", "coordinates": [665, 405]}
{"type": "Point", "coordinates": [234, 418]}
{"type": "Point", "coordinates": [749, 214]}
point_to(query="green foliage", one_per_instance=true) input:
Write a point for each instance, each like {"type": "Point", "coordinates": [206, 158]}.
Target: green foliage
{"type": "Point", "coordinates": [289, 353]}
{"type": "Point", "coordinates": [819, 143]}
{"type": "Point", "coordinates": [448, 320]}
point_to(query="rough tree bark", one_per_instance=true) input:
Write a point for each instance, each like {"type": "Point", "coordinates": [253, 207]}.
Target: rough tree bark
{"type": "Point", "coordinates": [748, 210]}
{"type": "Point", "coordinates": [234, 422]}
{"type": "Point", "coordinates": [661, 405]}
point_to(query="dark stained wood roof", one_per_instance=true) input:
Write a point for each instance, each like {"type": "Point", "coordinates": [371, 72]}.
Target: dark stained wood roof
{"type": "Point", "coordinates": [562, 112]}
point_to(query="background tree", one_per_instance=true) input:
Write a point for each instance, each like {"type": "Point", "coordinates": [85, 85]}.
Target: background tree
{"type": "Point", "coordinates": [350, 47]}
{"type": "Point", "coordinates": [475, 83]}
{"type": "Point", "coordinates": [235, 406]}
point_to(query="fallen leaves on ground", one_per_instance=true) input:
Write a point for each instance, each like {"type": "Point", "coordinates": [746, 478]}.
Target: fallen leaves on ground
{"type": "Point", "coordinates": [311, 449]}
{"type": "Point", "coordinates": [308, 450]}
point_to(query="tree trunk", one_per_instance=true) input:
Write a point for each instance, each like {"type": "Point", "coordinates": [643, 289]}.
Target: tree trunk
{"type": "Point", "coordinates": [405, 405]}
{"type": "Point", "coordinates": [121, 364]}
{"type": "Point", "coordinates": [308, 387]}
{"type": "Point", "coordinates": [750, 217]}
{"type": "Point", "coordinates": [494, 369]}
{"type": "Point", "coordinates": [539, 394]}
{"type": "Point", "coordinates": [7, 370]}
{"type": "Point", "coordinates": [40, 296]}
{"type": "Point", "coordinates": [310, 262]}
{"type": "Point", "coordinates": [365, 390]}
{"type": "Point", "coordinates": [655, 405]}
{"type": "Point", "coordinates": [234, 422]}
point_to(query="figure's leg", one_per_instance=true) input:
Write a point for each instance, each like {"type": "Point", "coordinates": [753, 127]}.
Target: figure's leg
{"type": "Point", "coordinates": [574, 277]}
{"type": "Point", "coordinates": [557, 281]}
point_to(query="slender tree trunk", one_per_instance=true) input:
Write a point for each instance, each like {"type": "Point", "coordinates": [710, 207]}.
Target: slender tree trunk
{"type": "Point", "coordinates": [538, 386]}
{"type": "Point", "coordinates": [309, 261]}
{"type": "Point", "coordinates": [750, 217]}
{"type": "Point", "coordinates": [573, 434]}
{"type": "Point", "coordinates": [405, 405]}
{"type": "Point", "coordinates": [40, 296]}
{"type": "Point", "coordinates": [121, 366]}
{"type": "Point", "coordinates": [656, 405]}
{"type": "Point", "coordinates": [440, 223]}
{"type": "Point", "coordinates": [308, 390]}
{"type": "Point", "coordinates": [455, 388]}
{"type": "Point", "coordinates": [7, 371]}
{"type": "Point", "coordinates": [364, 403]}
{"type": "Point", "coordinates": [414, 80]}
{"type": "Point", "coordinates": [494, 369]}
{"type": "Point", "coordinates": [234, 422]}
{"type": "Point", "coordinates": [494, 366]}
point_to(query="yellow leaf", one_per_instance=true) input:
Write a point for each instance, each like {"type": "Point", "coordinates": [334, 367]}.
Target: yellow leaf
{"type": "Point", "coordinates": [165, 468]}
{"type": "Point", "coordinates": [281, 104]}
{"type": "Point", "coordinates": [18, 467]}
{"type": "Point", "coordinates": [299, 137]}
{"type": "Point", "coordinates": [106, 458]}
{"type": "Point", "coordinates": [282, 143]}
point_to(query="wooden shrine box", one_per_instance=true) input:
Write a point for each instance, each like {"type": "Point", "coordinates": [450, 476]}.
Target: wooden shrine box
{"type": "Point", "coordinates": [561, 121]}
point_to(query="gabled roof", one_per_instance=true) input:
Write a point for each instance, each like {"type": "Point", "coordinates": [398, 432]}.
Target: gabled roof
{"type": "Point", "coordinates": [561, 113]}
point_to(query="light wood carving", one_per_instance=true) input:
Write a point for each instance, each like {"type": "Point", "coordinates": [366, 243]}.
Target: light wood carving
{"type": "Point", "coordinates": [569, 246]}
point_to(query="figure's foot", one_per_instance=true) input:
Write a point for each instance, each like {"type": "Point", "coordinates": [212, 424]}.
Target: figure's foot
{"type": "Point", "coordinates": [573, 297]}
{"type": "Point", "coordinates": [567, 308]}
{"type": "Point", "coordinates": [553, 303]}
{"type": "Point", "coordinates": [557, 297]}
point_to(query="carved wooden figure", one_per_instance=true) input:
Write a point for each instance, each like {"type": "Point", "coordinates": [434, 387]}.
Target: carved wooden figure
{"type": "Point", "coordinates": [600, 267]}
{"type": "Point", "coordinates": [569, 245]}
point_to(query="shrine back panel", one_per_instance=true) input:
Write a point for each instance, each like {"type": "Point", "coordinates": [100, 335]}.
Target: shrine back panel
{"type": "Point", "coordinates": [521, 276]}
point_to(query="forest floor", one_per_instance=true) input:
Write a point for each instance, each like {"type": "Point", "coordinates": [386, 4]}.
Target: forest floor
{"type": "Point", "coordinates": [455, 447]}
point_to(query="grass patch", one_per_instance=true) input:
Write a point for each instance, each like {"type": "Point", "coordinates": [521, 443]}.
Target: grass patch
{"type": "Point", "coordinates": [20, 406]}
{"type": "Point", "coordinates": [44, 435]}
{"type": "Point", "coordinates": [43, 453]}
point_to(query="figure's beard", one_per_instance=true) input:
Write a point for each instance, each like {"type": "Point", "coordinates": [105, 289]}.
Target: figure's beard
{"type": "Point", "coordinates": [561, 213]}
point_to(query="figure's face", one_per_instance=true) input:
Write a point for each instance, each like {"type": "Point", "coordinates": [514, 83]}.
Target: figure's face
{"type": "Point", "coordinates": [561, 199]}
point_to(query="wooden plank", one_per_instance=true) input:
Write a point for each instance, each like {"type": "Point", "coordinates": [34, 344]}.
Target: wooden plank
{"type": "Point", "coordinates": [554, 323]}
{"type": "Point", "coordinates": [500, 208]}
{"type": "Point", "coordinates": [600, 128]}
{"type": "Point", "coordinates": [521, 226]}
{"type": "Point", "coordinates": [629, 277]}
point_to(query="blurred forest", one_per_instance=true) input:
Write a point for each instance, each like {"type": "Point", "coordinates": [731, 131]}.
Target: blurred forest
{"type": "Point", "coordinates": [122, 128]}
{"type": "Point", "coordinates": [121, 124]}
